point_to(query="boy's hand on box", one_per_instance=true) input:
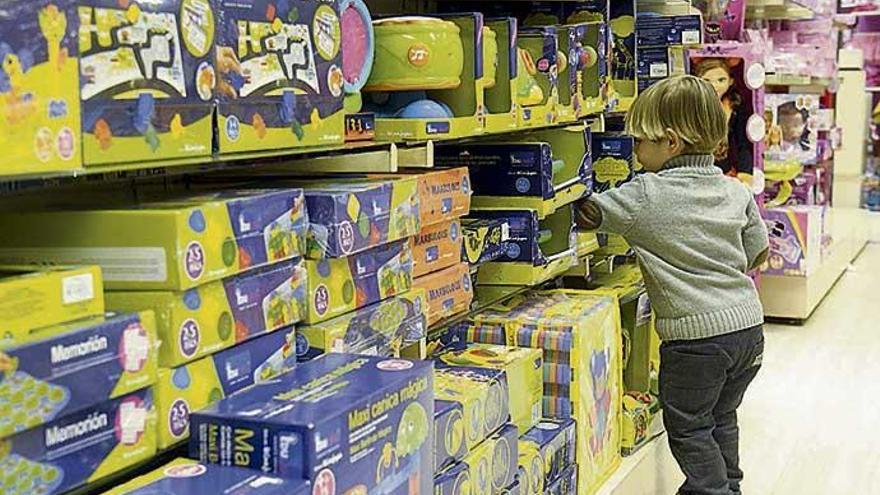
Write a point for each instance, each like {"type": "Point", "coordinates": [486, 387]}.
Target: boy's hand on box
{"type": "Point", "coordinates": [587, 215]}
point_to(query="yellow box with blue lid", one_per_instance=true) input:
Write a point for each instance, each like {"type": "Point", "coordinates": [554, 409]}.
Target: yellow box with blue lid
{"type": "Point", "coordinates": [193, 386]}
{"type": "Point", "coordinates": [188, 477]}
{"type": "Point", "coordinates": [218, 315]}
{"type": "Point", "coordinates": [380, 329]}
{"type": "Point", "coordinates": [173, 243]}
{"type": "Point", "coordinates": [33, 297]}
{"type": "Point", "coordinates": [523, 368]}
{"type": "Point", "coordinates": [59, 371]}
{"type": "Point", "coordinates": [488, 469]}
{"type": "Point", "coordinates": [545, 452]}
{"type": "Point", "coordinates": [482, 393]}
{"type": "Point", "coordinates": [449, 444]}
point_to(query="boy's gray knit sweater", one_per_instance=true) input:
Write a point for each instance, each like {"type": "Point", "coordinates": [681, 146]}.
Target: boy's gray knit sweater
{"type": "Point", "coordinates": [695, 233]}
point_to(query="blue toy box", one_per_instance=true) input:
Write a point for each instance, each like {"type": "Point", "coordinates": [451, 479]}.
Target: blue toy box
{"type": "Point", "coordinates": [613, 160]}
{"type": "Point", "coordinates": [488, 469]}
{"type": "Point", "coordinates": [342, 420]}
{"type": "Point", "coordinates": [482, 393]}
{"type": "Point", "coordinates": [484, 239]}
{"type": "Point", "coordinates": [449, 444]}
{"type": "Point", "coordinates": [63, 370]}
{"type": "Point", "coordinates": [546, 451]}
{"type": "Point", "coordinates": [188, 477]}
{"type": "Point", "coordinates": [532, 240]}
{"type": "Point", "coordinates": [566, 484]}
{"type": "Point", "coordinates": [80, 448]}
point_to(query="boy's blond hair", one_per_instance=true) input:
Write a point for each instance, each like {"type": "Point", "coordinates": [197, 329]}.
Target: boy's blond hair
{"type": "Point", "coordinates": [685, 104]}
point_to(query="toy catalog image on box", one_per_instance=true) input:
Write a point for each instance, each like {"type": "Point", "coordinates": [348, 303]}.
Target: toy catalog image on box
{"type": "Point", "coordinates": [791, 127]}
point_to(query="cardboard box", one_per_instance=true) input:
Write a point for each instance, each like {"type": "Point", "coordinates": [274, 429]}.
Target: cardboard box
{"type": "Point", "coordinates": [32, 297]}
{"type": "Point", "coordinates": [533, 240]}
{"type": "Point", "coordinates": [486, 470]}
{"type": "Point", "coordinates": [639, 411]}
{"type": "Point", "coordinates": [484, 239]}
{"type": "Point", "coordinates": [60, 371]}
{"type": "Point", "coordinates": [172, 244]}
{"type": "Point", "coordinates": [193, 386]}
{"type": "Point", "coordinates": [792, 127]}
{"type": "Point", "coordinates": [567, 483]}
{"type": "Point", "coordinates": [344, 419]}
{"type": "Point", "coordinates": [450, 292]}
{"type": "Point", "coordinates": [482, 393]}
{"type": "Point", "coordinates": [80, 448]}
{"type": "Point", "coordinates": [146, 80]}
{"type": "Point", "coordinates": [621, 20]}
{"type": "Point", "coordinates": [545, 452]}
{"type": "Point", "coordinates": [341, 285]}
{"type": "Point", "coordinates": [444, 193]}
{"type": "Point", "coordinates": [218, 315]}
{"type": "Point", "coordinates": [449, 443]}
{"type": "Point", "coordinates": [39, 130]}
{"type": "Point", "coordinates": [523, 368]}
{"type": "Point", "coordinates": [454, 481]}
{"type": "Point", "coordinates": [613, 160]}
{"type": "Point", "coordinates": [290, 90]}
{"type": "Point", "coordinates": [663, 30]}
{"type": "Point", "coordinates": [380, 329]}
{"type": "Point", "coordinates": [436, 247]}
{"type": "Point", "coordinates": [186, 477]}
{"type": "Point", "coordinates": [795, 240]}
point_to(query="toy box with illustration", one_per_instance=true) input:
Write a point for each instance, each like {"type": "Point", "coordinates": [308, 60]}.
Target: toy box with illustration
{"type": "Point", "coordinates": [571, 63]}
{"type": "Point", "coordinates": [791, 133]}
{"type": "Point", "coordinates": [436, 247]}
{"type": "Point", "coordinates": [502, 110]}
{"type": "Point", "coordinates": [186, 477]}
{"type": "Point", "coordinates": [545, 452]}
{"type": "Point", "coordinates": [33, 297]}
{"type": "Point", "coordinates": [538, 86]}
{"type": "Point", "coordinates": [444, 194]}
{"type": "Point", "coordinates": [666, 30]}
{"type": "Point", "coordinates": [622, 20]}
{"type": "Point", "coordinates": [449, 444]}
{"type": "Point", "coordinates": [41, 110]}
{"type": "Point", "coordinates": [279, 80]}
{"type": "Point", "coordinates": [172, 244]}
{"type": "Point", "coordinates": [59, 371]}
{"type": "Point", "coordinates": [147, 79]}
{"type": "Point", "coordinates": [193, 386]}
{"type": "Point", "coordinates": [532, 240]}
{"type": "Point", "coordinates": [613, 160]}
{"type": "Point", "coordinates": [795, 240]}
{"type": "Point", "coordinates": [456, 480]}
{"type": "Point", "coordinates": [486, 470]}
{"type": "Point", "coordinates": [567, 483]}
{"type": "Point", "coordinates": [638, 426]}
{"type": "Point", "coordinates": [80, 448]}
{"type": "Point", "coordinates": [339, 285]}
{"type": "Point", "coordinates": [482, 393]}
{"type": "Point", "coordinates": [218, 315]}
{"type": "Point", "coordinates": [484, 239]}
{"type": "Point", "coordinates": [523, 368]}
{"type": "Point", "coordinates": [354, 422]}
{"type": "Point", "coordinates": [381, 329]}
{"type": "Point", "coordinates": [350, 216]}
{"type": "Point", "coordinates": [450, 292]}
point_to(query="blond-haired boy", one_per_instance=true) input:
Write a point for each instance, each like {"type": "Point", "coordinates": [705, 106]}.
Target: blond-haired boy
{"type": "Point", "coordinates": [696, 234]}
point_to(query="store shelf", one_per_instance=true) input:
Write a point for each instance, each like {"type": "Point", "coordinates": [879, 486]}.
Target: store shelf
{"type": "Point", "coordinates": [104, 484]}
{"type": "Point", "coordinates": [777, 10]}
{"type": "Point", "coordinates": [649, 470]}
{"type": "Point", "coordinates": [485, 297]}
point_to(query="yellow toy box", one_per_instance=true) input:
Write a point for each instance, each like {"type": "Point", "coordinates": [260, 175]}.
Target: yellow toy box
{"type": "Point", "coordinates": [218, 315]}
{"type": "Point", "coordinates": [482, 393]}
{"type": "Point", "coordinates": [450, 292]}
{"type": "Point", "coordinates": [33, 297]}
{"type": "Point", "coordinates": [545, 452]}
{"type": "Point", "coordinates": [436, 247]}
{"type": "Point", "coordinates": [444, 194]}
{"type": "Point", "coordinates": [39, 90]}
{"type": "Point", "coordinates": [488, 469]}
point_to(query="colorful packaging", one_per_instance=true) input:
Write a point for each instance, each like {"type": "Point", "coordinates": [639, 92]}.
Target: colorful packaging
{"type": "Point", "coordinates": [80, 448]}
{"type": "Point", "coordinates": [622, 64]}
{"type": "Point", "coordinates": [146, 79]}
{"type": "Point", "coordinates": [187, 477]}
{"type": "Point", "coordinates": [354, 422]}
{"type": "Point", "coordinates": [449, 444]}
{"type": "Point", "coordinates": [545, 452]}
{"type": "Point", "coordinates": [538, 89]}
{"type": "Point", "coordinates": [792, 127]}
{"type": "Point", "coordinates": [279, 81]}
{"type": "Point", "coordinates": [523, 368]}
{"type": "Point", "coordinates": [613, 161]}
{"type": "Point", "coordinates": [567, 483]}
{"type": "Point", "coordinates": [436, 247]}
{"type": "Point", "coordinates": [41, 111]}
{"type": "Point", "coordinates": [381, 329]}
{"type": "Point", "coordinates": [172, 244]}
{"type": "Point", "coordinates": [444, 194]}
{"type": "Point", "coordinates": [218, 315]}
{"type": "Point", "coordinates": [196, 385]}
{"type": "Point", "coordinates": [450, 292]}
{"type": "Point", "coordinates": [639, 411]}
{"type": "Point", "coordinates": [59, 371]}
{"type": "Point", "coordinates": [534, 240]}
{"type": "Point", "coordinates": [487, 470]}
{"type": "Point", "coordinates": [663, 30]}
{"type": "Point", "coordinates": [33, 297]}
{"type": "Point", "coordinates": [482, 393]}
{"type": "Point", "coordinates": [484, 239]}
{"type": "Point", "coordinates": [795, 240]}
{"type": "Point", "coordinates": [341, 285]}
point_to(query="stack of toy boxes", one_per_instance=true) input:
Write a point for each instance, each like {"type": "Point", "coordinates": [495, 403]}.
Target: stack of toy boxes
{"type": "Point", "coordinates": [662, 42]}
{"type": "Point", "coordinates": [356, 423]}
{"type": "Point", "coordinates": [546, 452]}
{"type": "Point", "coordinates": [580, 336]}
{"type": "Point", "coordinates": [218, 269]}
{"type": "Point", "coordinates": [75, 399]}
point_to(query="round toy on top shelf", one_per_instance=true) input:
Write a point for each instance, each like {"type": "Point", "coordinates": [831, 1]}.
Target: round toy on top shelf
{"type": "Point", "coordinates": [416, 53]}
{"type": "Point", "coordinates": [358, 49]}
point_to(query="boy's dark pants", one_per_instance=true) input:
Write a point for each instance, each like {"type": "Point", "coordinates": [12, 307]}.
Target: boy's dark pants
{"type": "Point", "coordinates": [702, 383]}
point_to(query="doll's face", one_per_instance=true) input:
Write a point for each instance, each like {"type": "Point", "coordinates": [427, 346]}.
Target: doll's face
{"type": "Point", "coordinates": [719, 79]}
{"type": "Point", "coordinates": [792, 125]}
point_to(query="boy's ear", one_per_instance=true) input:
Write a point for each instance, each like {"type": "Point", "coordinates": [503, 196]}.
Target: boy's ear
{"type": "Point", "coordinates": [676, 144]}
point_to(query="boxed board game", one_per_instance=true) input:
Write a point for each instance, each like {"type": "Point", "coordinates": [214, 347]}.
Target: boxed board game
{"type": "Point", "coordinates": [80, 448]}
{"type": "Point", "coordinates": [62, 370]}
{"type": "Point", "coordinates": [380, 329]}
{"type": "Point", "coordinates": [532, 240]}
{"type": "Point", "coordinates": [217, 315]}
{"type": "Point", "coordinates": [523, 368]}
{"type": "Point", "coordinates": [490, 467]}
{"type": "Point", "coordinates": [484, 239]}
{"type": "Point", "coordinates": [545, 452]}
{"type": "Point", "coordinates": [449, 444]}
{"type": "Point", "coordinates": [193, 386]}
{"type": "Point", "coordinates": [483, 395]}
{"type": "Point", "coordinates": [279, 81]}
{"type": "Point", "coordinates": [613, 160]}
{"type": "Point", "coordinates": [449, 291]}
{"type": "Point", "coordinates": [444, 193]}
{"type": "Point", "coordinates": [354, 422]}
{"type": "Point", "coordinates": [146, 79]}
{"type": "Point", "coordinates": [436, 247]}
{"type": "Point", "coordinates": [175, 243]}
{"type": "Point", "coordinates": [340, 285]}
{"type": "Point", "coordinates": [188, 477]}
{"type": "Point", "coordinates": [39, 131]}
{"type": "Point", "coordinates": [32, 297]}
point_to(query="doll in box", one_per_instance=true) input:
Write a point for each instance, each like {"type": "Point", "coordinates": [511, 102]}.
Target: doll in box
{"type": "Point", "coordinates": [793, 125]}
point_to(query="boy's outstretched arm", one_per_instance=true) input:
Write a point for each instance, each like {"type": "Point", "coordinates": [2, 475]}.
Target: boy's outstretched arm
{"type": "Point", "coordinates": [755, 239]}
{"type": "Point", "coordinates": [614, 211]}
